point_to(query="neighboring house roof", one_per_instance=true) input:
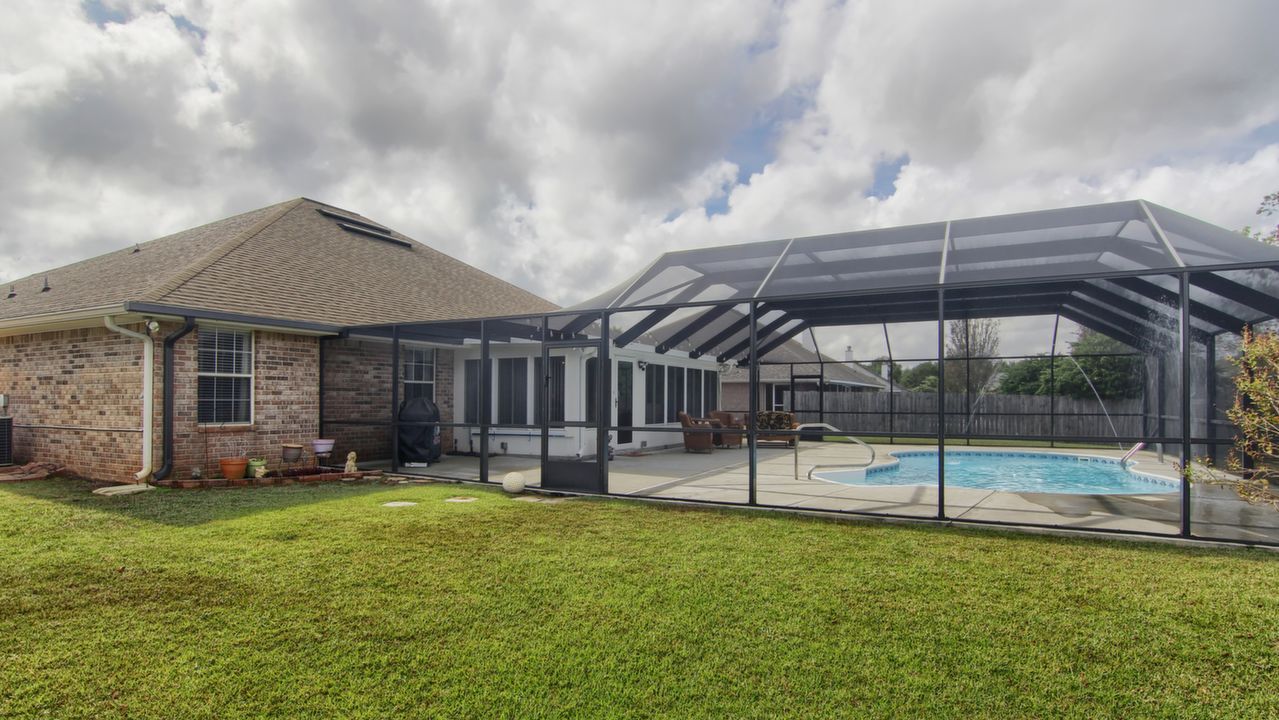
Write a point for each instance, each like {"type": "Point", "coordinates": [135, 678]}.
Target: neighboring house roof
{"type": "Point", "coordinates": [833, 371]}
{"type": "Point", "coordinates": [298, 261]}
{"type": "Point", "coordinates": [790, 351]}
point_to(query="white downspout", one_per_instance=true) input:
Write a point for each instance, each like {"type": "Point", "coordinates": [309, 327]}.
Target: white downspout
{"type": "Point", "coordinates": [148, 394]}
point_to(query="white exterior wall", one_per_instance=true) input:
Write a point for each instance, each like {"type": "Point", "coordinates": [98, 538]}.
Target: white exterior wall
{"type": "Point", "coordinates": [568, 442]}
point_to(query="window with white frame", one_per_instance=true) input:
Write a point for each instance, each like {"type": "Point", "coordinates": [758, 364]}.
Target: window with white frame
{"type": "Point", "coordinates": [225, 370]}
{"type": "Point", "coordinates": [418, 373]}
{"type": "Point", "coordinates": [779, 393]}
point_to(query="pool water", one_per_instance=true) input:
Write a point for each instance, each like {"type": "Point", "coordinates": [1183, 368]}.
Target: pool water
{"type": "Point", "coordinates": [1019, 472]}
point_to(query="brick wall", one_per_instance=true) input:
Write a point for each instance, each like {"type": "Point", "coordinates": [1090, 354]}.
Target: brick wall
{"type": "Point", "coordinates": [357, 396]}
{"type": "Point", "coordinates": [736, 397]}
{"type": "Point", "coordinates": [444, 363]}
{"type": "Point", "coordinates": [88, 382]}
{"type": "Point", "coordinates": [286, 403]}
{"type": "Point", "coordinates": [75, 397]}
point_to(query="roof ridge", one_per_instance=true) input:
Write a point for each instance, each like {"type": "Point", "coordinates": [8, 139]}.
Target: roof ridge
{"type": "Point", "coordinates": [186, 275]}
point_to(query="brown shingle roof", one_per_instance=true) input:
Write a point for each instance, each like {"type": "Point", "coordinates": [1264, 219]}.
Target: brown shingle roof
{"type": "Point", "coordinates": [124, 274]}
{"type": "Point", "coordinates": [287, 262]}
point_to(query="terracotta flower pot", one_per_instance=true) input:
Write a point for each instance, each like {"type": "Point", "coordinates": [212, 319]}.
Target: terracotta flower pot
{"type": "Point", "coordinates": [233, 468]}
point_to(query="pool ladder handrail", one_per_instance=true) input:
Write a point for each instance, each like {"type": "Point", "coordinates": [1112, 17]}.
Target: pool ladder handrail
{"type": "Point", "coordinates": [1131, 451]}
{"type": "Point", "coordinates": [838, 433]}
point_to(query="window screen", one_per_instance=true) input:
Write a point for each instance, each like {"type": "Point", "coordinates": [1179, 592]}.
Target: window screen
{"type": "Point", "coordinates": [592, 390]}
{"type": "Point", "coordinates": [674, 393]}
{"type": "Point", "coordinates": [695, 393]}
{"type": "Point", "coordinates": [553, 384]}
{"type": "Point", "coordinates": [471, 415]}
{"type": "Point", "coordinates": [225, 371]}
{"type": "Point", "coordinates": [655, 394]}
{"type": "Point", "coordinates": [512, 391]}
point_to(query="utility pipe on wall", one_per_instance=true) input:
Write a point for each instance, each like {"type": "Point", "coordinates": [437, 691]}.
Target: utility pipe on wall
{"type": "Point", "coordinates": [148, 397]}
{"type": "Point", "coordinates": [166, 467]}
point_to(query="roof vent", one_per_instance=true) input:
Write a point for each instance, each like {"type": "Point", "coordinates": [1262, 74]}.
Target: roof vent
{"type": "Point", "coordinates": [353, 220]}
{"type": "Point", "coordinates": [46, 287]}
{"type": "Point", "coordinates": [137, 248]}
{"type": "Point", "coordinates": [375, 234]}
{"type": "Point", "coordinates": [364, 227]}
{"type": "Point", "coordinates": [13, 292]}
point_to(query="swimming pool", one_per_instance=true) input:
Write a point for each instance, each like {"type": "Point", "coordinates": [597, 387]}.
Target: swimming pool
{"type": "Point", "coordinates": [1019, 472]}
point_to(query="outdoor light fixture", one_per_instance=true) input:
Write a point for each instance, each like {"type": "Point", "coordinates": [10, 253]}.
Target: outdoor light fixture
{"type": "Point", "coordinates": [643, 366]}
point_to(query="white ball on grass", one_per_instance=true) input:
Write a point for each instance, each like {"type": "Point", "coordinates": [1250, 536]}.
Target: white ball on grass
{"type": "Point", "coordinates": [513, 482]}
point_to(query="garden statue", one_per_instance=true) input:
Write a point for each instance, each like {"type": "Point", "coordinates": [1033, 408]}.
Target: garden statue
{"type": "Point", "coordinates": [259, 471]}
{"type": "Point", "coordinates": [350, 462]}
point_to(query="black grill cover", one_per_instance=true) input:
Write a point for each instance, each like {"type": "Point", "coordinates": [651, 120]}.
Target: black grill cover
{"type": "Point", "coordinates": [419, 443]}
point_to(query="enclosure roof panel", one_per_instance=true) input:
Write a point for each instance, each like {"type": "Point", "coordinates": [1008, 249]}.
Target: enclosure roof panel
{"type": "Point", "coordinates": [1113, 268]}
{"type": "Point", "coordinates": [1094, 240]}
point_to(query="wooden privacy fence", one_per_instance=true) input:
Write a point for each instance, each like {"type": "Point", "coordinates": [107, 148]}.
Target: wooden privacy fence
{"type": "Point", "coordinates": [1002, 415]}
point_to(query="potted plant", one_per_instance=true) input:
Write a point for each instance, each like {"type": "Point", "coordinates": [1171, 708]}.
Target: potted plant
{"type": "Point", "coordinates": [290, 452]}
{"type": "Point", "coordinates": [254, 465]}
{"type": "Point", "coordinates": [233, 467]}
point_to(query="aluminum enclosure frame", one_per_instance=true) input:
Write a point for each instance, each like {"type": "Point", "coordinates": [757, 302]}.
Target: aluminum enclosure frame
{"type": "Point", "coordinates": [1186, 305]}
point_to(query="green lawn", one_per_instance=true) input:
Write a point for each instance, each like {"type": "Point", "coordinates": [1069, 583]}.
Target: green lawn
{"type": "Point", "coordinates": [316, 601]}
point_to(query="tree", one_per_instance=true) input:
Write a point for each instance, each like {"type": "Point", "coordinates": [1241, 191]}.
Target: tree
{"type": "Point", "coordinates": [921, 378]}
{"type": "Point", "coordinates": [928, 383]}
{"type": "Point", "coordinates": [1256, 415]}
{"type": "Point", "coordinates": [1269, 206]}
{"type": "Point", "coordinates": [877, 366]}
{"type": "Point", "coordinates": [1025, 377]}
{"type": "Point", "coordinates": [974, 345]}
{"type": "Point", "coordinates": [1116, 376]}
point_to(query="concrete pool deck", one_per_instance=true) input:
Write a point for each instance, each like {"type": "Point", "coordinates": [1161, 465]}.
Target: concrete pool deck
{"type": "Point", "coordinates": [722, 476]}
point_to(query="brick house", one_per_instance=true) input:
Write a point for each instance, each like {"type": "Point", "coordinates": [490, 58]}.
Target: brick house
{"type": "Point", "coordinates": [206, 343]}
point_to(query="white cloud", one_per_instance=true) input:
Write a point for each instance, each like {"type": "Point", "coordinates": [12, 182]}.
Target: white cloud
{"type": "Point", "coordinates": [562, 147]}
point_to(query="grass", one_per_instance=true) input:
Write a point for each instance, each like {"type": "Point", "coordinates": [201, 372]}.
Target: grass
{"type": "Point", "coordinates": [316, 601]}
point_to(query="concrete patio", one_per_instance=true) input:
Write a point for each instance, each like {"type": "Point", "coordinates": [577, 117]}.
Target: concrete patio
{"type": "Point", "coordinates": [722, 476]}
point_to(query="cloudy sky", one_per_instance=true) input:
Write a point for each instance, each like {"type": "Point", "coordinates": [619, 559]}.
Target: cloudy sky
{"type": "Point", "coordinates": [560, 145]}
